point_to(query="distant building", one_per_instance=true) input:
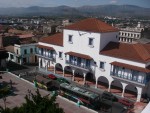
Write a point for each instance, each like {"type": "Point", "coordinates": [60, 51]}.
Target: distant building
{"type": "Point", "coordinates": [130, 34]}
{"type": "Point", "coordinates": [49, 29]}
{"type": "Point", "coordinates": [22, 54]}
{"type": "Point", "coordinates": [3, 56]}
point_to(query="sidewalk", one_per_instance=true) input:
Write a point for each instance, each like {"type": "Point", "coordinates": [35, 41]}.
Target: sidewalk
{"type": "Point", "coordinates": [138, 107]}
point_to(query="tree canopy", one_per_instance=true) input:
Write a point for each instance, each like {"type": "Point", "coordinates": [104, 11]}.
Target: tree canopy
{"type": "Point", "coordinates": [35, 103]}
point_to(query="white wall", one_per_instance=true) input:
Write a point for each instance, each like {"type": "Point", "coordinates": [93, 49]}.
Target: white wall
{"type": "Point", "coordinates": [107, 61]}
{"type": "Point", "coordinates": [107, 37]}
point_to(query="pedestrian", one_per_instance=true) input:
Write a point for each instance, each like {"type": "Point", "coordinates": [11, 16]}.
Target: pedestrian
{"type": "Point", "coordinates": [19, 76]}
{"type": "Point", "coordinates": [78, 103]}
{"type": "Point", "coordinates": [10, 83]}
{"type": "Point", "coordinates": [35, 83]}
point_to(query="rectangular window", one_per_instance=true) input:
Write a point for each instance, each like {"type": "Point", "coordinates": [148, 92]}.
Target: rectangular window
{"type": "Point", "coordinates": [35, 50]}
{"type": "Point", "coordinates": [70, 38]}
{"type": "Point", "coordinates": [31, 50]}
{"type": "Point", "coordinates": [87, 63]}
{"type": "Point", "coordinates": [60, 54]}
{"type": "Point", "coordinates": [91, 41]}
{"type": "Point", "coordinates": [71, 59]}
{"type": "Point", "coordinates": [102, 65]}
{"type": "Point", "coordinates": [25, 51]}
{"type": "Point", "coordinates": [17, 51]}
{"type": "Point", "coordinates": [11, 56]}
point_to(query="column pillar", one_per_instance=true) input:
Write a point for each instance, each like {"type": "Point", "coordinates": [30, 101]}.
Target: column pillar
{"type": "Point", "coordinates": [63, 72]}
{"type": "Point", "coordinates": [55, 69]}
{"type": "Point", "coordinates": [84, 75]}
{"type": "Point", "coordinates": [109, 87]}
{"type": "Point", "coordinates": [73, 74]}
{"type": "Point", "coordinates": [96, 83]}
{"type": "Point", "coordinates": [123, 89]}
{"type": "Point", "coordinates": [46, 64]}
{"type": "Point", "coordinates": [40, 62]}
{"type": "Point", "coordinates": [139, 93]}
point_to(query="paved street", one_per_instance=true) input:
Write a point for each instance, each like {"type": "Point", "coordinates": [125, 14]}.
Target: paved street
{"type": "Point", "coordinates": [21, 89]}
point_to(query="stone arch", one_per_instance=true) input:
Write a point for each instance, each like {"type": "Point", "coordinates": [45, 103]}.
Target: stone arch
{"type": "Point", "coordinates": [68, 71]}
{"type": "Point", "coordinates": [90, 78]}
{"type": "Point", "coordinates": [59, 68]}
{"type": "Point", "coordinates": [131, 92]}
{"type": "Point", "coordinates": [103, 83]}
{"type": "Point", "coordinates": [116, 87]}
{"type": "Point", "coordinates": [78, 75]}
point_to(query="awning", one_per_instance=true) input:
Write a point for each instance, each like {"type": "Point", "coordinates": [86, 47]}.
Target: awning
{"type": "Point", "coordinates": [45, 47]}
{"type": "Point", "coordinates": [146, 70]}
{"type": "Point", "coordinates": [79, 55]}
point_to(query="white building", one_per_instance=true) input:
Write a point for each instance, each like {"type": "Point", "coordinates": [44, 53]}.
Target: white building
{"type": "Point", "coordinates": [24, 53]}
{"type": "Point", "coordinates": [130, 34]}
{"type": "Point", "coordinates": [90, 49]}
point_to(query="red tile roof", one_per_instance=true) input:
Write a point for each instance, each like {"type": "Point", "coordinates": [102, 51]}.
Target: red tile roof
{"type": "Point", "coordinates": [45, 47]}
{"type": "Point", "coordinates": [56, 39]}
{"type": "Point", "coordinates": [10, 49]}
{"type": "Point", "coordinates": [134, 52]}
{"type": "Point", "coordinates": [146, 70]}
{"type": "Point", "coordinates": [92, 25]}
{"type": "Point", "coordinates": [79, 55]}
{"type": "Point", "coordinates": [26, 36]}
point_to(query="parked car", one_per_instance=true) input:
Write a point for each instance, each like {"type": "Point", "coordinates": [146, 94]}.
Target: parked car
{"type": "Point", "coordinates": [108, 96]}
{"type": "Point", "coordinates": [63, 80]}
{"type": "Point", "coordinates": [51, 76]}
{"type": "Point", "coordinates": [126, 102]}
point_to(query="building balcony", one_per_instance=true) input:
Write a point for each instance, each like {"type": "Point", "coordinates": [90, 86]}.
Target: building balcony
{"type": "Point", "coordinates": [79, 65]}
{"type": "Point", "coordinates": [127, 79]}
{"type": "Point", "coordinates": [49, 57]}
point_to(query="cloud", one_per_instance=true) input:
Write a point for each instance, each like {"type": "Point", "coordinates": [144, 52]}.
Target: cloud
{"type": "Point", "coordinates": [113, 1]}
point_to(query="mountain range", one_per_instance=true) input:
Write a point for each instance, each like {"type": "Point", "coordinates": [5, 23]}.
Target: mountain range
{"type": "Point", "coordinates": [99, 10]}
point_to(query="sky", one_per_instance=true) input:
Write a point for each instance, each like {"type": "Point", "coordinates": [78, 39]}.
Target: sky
{"type": "Point", "coordinates": [73, 3]}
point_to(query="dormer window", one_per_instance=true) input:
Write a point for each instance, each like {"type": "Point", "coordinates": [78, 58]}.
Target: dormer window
{"type": "Point", "coordinates": [91, 42]}
{"type": "Point", "coordinates": [70, 39]}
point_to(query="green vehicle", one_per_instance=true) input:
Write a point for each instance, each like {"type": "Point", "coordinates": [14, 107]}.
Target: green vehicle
{"type": "Point", "coordinates": [62, 80]}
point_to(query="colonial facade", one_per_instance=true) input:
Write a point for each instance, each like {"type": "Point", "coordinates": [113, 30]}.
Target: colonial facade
{"type": "Point", "coordinates": [90, 49]}
{"type": "Point", "coordinates": [131, 34]}
{"type": "Point", "coordinates": [23, 53]}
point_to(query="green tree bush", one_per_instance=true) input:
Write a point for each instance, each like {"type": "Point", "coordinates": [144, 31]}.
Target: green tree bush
{"type": "Point", "coordinates": [35, 103]}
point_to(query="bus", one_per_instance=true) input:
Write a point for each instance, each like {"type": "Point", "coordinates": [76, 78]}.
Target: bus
{"type": "Point", "coordinates": [43, 82]}
{"type": "Point", "coordinates": [75, 93]}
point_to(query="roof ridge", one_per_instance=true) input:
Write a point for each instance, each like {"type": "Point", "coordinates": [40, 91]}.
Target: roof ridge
{"type": "Point", "coordinates": [143, 53]}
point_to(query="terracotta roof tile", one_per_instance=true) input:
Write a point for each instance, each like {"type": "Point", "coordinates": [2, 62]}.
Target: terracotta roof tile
{"type": "Point", "coordinates": [26, 36]}
{"type": "Point", "coordinates": [146, 70]}
{"type": "Point", "coordinates": [56, 39]}
{"type": "Point", "coordinates": [140, 53]}
{"type": "Point", "coordinates": [92, 25]}
{"type": "Point", "coordinates": [79, 55]}
{"type": "Point", "coordinates": [45, 47]}
{"type": "Point", "coordinates": [10, 49]}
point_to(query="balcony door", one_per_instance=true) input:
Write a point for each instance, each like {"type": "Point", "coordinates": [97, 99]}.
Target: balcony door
{"type": "Point", "coordinates": [71, 59]}
{"type": "Point", "coordinates": [87, 63]}
{"type": "Point", "coordinates": [79, 61]}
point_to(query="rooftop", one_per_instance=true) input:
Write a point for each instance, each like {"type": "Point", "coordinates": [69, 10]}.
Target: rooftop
{"type": "Point", "coordinates": [135, 52]}
{"type": "Point", "coordinates": [10, 48]}
{"type": "Point", "coordinates": [92, 25]}
{"type": "Point", "coordinates": [56, 39]}
{"type": "Point", "coordinates": [76, 89]}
